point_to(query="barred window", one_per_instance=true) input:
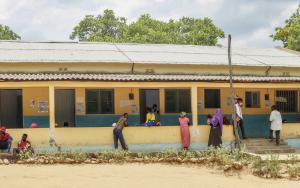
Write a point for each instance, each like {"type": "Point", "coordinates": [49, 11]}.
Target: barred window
{"type": "Point", "coordinates": [99, 101]}
{"type": "Point", "coordinates": [287, 100]}
{"type": "Point", "coordinates": [252, 99]}
{"type": "Point", "coordinates": [212, 98]}
{"type": "Point", "coordinates": [177, 100]}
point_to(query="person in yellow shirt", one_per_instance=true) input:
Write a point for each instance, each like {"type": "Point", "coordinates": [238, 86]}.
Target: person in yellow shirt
{"type": "Point", "coordinates": [150, 118]}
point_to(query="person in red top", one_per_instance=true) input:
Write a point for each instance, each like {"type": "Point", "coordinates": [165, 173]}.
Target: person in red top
{"type": "Point", "coordinates": [5, 140]}
{"type": "Point", "coordinates": [24, 144]}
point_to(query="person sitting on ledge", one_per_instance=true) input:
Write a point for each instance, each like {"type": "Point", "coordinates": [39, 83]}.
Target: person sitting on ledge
{"type": "Point", "coordinates": [151, 118]}
{"type": "Point", "coordinates": [24, 145]}
{"type": "Point", "coordinates": [5, 140]}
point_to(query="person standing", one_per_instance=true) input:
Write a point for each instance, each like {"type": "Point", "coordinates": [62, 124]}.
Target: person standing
{"type": "Point", "coordinates": [184, 130]}
{"type": "Point", "coordinates": [118, 132]}
{"type": "Point", "coordinates": [239, 116]}
{"type": "Point", "coordinates": [216, 127]}
{"type": "Point", "coordinates": [276, 124]}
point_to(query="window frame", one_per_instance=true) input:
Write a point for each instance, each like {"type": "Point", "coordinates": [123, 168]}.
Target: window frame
{"type": "Point", "coordinates": [297, 99]}
{"type": "Point", "coordinates": [252, 104]}
{"type": "Point", "coordinates": [99, 102]}
{"type": "Point", "coordinates": [177, 100]}
{"type": "Point", "coordinates": [219, 100]}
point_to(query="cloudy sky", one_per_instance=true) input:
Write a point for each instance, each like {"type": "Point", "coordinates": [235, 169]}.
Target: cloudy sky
{"type": "Point", "coordinates": [249, 21]}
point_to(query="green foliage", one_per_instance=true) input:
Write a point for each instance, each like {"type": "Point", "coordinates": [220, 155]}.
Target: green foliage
{"type": "Point", "coordinates": [109, 28]}
{"type": "Point", "coordinates": [7, 34]}
{"type": "Point", "coordinates": [290, 33]}
{"type": "Point", "coordinates": [269, 168]}
{"type": "Point", "coordinates": [106, 27]}
{"type": "Point", "coordinates": [294, 171]}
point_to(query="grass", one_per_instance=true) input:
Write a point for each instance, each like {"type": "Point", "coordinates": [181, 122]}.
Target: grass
{"type": "Point", "coordinates": [224, 158]}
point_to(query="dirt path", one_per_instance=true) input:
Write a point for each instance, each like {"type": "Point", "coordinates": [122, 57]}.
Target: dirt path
{"type": "Point", "coordinates": [129, 175]}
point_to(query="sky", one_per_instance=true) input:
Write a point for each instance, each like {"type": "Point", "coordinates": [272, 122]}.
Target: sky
{"type": "Point", "coordinates": [250, 22]}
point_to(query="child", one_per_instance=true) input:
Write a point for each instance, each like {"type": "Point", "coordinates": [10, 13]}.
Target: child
{"type": "Point", "coordinates": [24, 145]}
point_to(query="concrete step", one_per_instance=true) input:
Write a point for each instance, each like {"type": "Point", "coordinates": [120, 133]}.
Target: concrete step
{"type": "Point", "coordinates": [258, 141]}
{"type": "Point", "coordinates": [265, 144]}
{"type": "Point", "coordinates": [268, 147]}
{"type": "Point", "coordinates": [272, 151]}
{"type": "Point", "coordinates": [5, 155]}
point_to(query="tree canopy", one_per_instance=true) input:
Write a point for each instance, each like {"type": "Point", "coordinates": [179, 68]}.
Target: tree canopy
{"type": "Point", "coordinates": [290, 33]}
{"type": "Point", "coordinates": [7, 34]}
{"type": "Point", "coordinates": [110, 28]}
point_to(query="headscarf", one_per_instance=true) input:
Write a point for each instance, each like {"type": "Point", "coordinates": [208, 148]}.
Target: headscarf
{"type": "Point", "coordinates": [183, 114]}
{"type": "Point", "coordinates": [217, 118]}
{"type": "Point", "coordinates": [3, 129]}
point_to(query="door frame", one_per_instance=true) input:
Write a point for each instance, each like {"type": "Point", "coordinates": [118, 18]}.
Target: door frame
{"type": "Point", "coordinates": [74, 92]}
{"type": "Point", "coordinates": [142, 101]}
{"type": "Point", "coordinates": [19, 120]}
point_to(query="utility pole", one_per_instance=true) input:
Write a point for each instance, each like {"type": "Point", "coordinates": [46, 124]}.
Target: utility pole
{"type": "Point", "coordinates": [237, 137]}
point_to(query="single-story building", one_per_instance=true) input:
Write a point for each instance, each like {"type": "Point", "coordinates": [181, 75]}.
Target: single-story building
{"type": "Point", "coordinates": [84, 87]}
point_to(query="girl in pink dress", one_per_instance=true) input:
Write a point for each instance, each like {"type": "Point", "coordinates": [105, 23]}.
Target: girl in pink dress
{"type": "Point", "coordinates": [184, 130]}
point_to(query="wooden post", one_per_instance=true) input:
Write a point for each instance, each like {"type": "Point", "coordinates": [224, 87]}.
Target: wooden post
{"type": "Point", "coordinates": [52, 107]}
{"type": "Point", "coordinates": [194, 97]}
{"type": "Point", "coordinates": [237, 138]}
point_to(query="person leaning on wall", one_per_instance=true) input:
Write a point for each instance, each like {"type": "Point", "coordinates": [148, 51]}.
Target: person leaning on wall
{"type": "Point", "coordinates": [118, 131]}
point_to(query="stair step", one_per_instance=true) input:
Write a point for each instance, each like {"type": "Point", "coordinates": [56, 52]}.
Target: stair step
{"type": "Point", "coordinates": [268, 151]}
{"type": "Point", "coordinates": [5, 155]}
{"type": "Point", "coordinates": [265, 144]}
{"type": "Point", "coordinates": [258, 141]}
{"type": "Point", "coordinates": [268, 147]}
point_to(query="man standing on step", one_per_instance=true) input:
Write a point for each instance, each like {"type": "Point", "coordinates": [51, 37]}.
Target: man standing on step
{"type": "Point", "coordinates": [239, 116]}
{"type": "Point", "coordinates": [276, 124]}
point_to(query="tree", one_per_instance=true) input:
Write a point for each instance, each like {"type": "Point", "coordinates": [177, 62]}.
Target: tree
{"type": "Point", "coordinates": [7, 34]}
{"type": "Point", "coordinates": [290, 33]}
{"type": "Point", "coordinates": [109, 28]}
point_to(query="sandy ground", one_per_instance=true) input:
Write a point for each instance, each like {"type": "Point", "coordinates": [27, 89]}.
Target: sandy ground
{"type": "Point", "coordinates": [129, 175]}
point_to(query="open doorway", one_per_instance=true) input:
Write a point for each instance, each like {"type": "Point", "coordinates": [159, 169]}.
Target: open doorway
{"type": "Point", "coordinates": [148, 97]}
{"type": "Point", "coordinates": [11, 108]}
{"type": "Point", "coordinates": [65, 107]}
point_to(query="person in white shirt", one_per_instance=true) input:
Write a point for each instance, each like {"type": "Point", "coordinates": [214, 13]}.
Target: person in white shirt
{"type": "Point", "coordinates": [239, 116]}
{"type": "Point", "coordinates": [276, 124]}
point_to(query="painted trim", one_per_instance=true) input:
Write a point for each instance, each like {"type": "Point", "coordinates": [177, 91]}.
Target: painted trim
{"type": "Point", "coordinates": [42, 121]}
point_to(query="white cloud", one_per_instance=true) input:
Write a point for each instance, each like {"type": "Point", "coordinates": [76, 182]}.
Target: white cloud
{"type": "Point", "coordinates": [249, 22]}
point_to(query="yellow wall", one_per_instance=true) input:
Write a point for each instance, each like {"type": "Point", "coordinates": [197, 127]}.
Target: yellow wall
{"type": "Point", "coordinates": [133, 135]}
{"type": "Point", "coordinates": [290, 130]}
{"type": "Point", "coordinates": [123, 104]}
{"type": "Point", "coordinates": [98, 136]}
{"type": "Point", "coordinates": [142, 68]}
{"type": "Point", "coordinates": [225, 100]}
{"type": "Point", "coordinates": [36, 95]}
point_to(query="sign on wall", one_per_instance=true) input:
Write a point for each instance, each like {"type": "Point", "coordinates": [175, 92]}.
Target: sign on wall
{"type": "Point", "coordinates": [42, 106]}
{"type": "Point", "coordinates": [80, 106]}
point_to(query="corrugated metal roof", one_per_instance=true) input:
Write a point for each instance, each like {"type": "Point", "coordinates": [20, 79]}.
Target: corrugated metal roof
{"type": "Point", "coordinates": [137, 77]}
{"type": "Point", "coordinates": [18, 51]}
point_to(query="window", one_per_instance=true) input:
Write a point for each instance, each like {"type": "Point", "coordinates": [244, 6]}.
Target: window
{"type": "Point", "coordinates": [99, 101]}
{"type": "Point", "coordinates": [286, 100]}
{"type": "Point", "coordinates": [177, 100]}
{"type": "Point", "coordinates": [252, 99]}
{"type": "Point", "coordinates": [212, 98]}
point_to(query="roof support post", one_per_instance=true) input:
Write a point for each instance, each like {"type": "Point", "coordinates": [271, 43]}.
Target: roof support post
{"type": "Point", "coordinates": [194, 100]}
{"type": "Point", "coordinates": [52, 107]}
